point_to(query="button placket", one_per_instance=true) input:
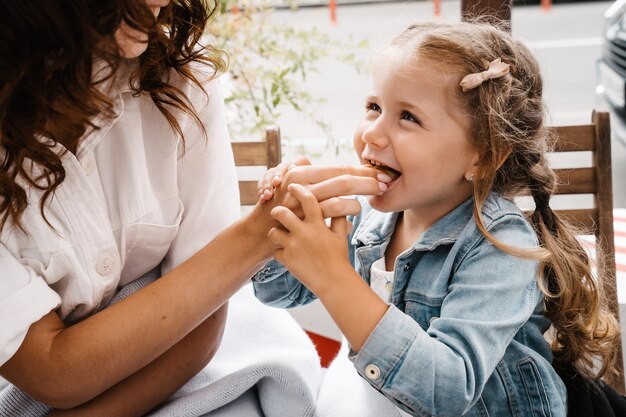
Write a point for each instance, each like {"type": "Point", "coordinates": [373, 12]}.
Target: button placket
{"type": "Point", "coordinates": [88, 163]}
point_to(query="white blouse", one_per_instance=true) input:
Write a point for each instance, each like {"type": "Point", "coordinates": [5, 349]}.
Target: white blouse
{"type": "Point", "coordinates": [129, 202]}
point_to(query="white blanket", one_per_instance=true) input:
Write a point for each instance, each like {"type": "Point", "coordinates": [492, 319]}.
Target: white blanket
{"type": "Point", "coordinates": [266, 366]}
{"type": "Point", "coordinates": [264, 354]}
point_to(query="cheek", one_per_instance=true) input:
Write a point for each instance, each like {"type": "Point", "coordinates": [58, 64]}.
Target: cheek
{"type": "Point", "coordinates": [358, 143]}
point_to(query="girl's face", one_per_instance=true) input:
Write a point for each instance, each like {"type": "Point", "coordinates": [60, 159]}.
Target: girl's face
{"type": "Point", "coordinates": [408, 126]}
{"type": "Point", "coordinates": [133, 42]}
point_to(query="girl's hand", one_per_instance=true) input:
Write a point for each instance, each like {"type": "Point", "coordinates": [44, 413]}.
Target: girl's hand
{"type": "Point", "coordinates": [312, 251]}
{"type": "Point", "coordinates": [273, 177]}
{"type": "Point", "coordinates": [328, 184]}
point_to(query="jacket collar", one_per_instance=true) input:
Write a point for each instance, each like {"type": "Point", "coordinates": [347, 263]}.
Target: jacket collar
{"type": "Point", "coordinates": [377, 227]}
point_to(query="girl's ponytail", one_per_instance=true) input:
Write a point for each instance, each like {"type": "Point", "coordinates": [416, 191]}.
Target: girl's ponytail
{"type": "Point", "coordinates": [585, 331]}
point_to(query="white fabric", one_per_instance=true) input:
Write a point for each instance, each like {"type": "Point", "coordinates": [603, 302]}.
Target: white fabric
{"type": "Point", "coordinates": [381, 280]}
{"type": "Point", "coordinates": [266, 366]}
{"type": "Point", "coordinates": [129, 200]}
{"type": "Point", "coordinates": [344, 393]}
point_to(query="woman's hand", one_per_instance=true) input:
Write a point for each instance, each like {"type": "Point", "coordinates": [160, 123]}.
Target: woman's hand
{"type": "Point", "coordinates": [273, 177]}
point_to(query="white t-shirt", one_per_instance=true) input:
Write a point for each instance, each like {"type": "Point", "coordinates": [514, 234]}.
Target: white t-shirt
{"type": "Point", "coordinates": [381, 280]}
{"type": "Point", "coordinates": [129, 202]}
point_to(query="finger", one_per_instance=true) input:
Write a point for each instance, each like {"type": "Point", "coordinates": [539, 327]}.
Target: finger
{"type": "Point", "coordinates": [301, 160]}
{"type": "Point", "coordinates": [286, 217]}
{"type": "Point", "coordinates": [268, 177]}
{"type": "Point", "coordinates": [339, 225]}
{"type": "Point", "coordinates": [347, 185]}
{"type": "Point", "coordinates": [337, 207]}
{"type": "Point", "coordinates": [315, 174]}
{"type": "Point", "coordinates": [265, 196]}
{"type": "Point", "coordinates": [277, 237]}
{"type": "Point", "coordinates": [276, 179]}
{"type": "Point", "coordinates": [310, 206]}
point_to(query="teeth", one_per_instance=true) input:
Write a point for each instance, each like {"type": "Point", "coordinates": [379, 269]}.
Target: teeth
{"type": "Point", "coordinates": [384, 168]}
{"type": "Point", "coordinates": [374, 163]}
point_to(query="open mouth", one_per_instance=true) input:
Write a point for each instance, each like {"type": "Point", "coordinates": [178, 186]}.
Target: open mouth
{"type": "Point", "coordinates": [384, 168]}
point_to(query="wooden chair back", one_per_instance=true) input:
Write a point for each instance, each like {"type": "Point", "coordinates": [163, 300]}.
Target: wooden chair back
{"type": "Point", "coordinates": [265, 153]}
{"type": "Point", "coordinates": [596, 180]}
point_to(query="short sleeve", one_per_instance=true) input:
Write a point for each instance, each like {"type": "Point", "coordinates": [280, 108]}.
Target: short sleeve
{"type": "Point", "coordinates": [24, 298]}
{"type": "Point", "coordinates": [207, 178]}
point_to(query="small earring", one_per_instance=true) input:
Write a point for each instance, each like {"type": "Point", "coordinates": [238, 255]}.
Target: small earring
{"type": "Point", "coordinates": [470, 179]}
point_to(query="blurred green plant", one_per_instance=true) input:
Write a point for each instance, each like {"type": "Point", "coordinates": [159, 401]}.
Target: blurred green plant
{"type": "Point", "coordinates": [269, 64]}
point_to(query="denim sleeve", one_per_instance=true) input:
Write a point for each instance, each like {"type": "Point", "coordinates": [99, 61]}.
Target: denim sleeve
{"type": "Point", "coordinates": [442, 370]}
{"type": "Point", "coordinates": [275, 286]}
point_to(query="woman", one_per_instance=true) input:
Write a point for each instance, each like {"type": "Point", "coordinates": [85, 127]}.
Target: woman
{"type": "Point", "coordinates": [116, 161]}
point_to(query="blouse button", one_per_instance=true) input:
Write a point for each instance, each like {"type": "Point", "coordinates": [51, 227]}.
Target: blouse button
{"type": "Point", "coordinates": [407, 266]}
{"type": "Point", "coordinates": [372, 371]}
{"type": "Point", "coordinates": [104, 264]}
{"type": "Point", "coordinates": [88, 164]}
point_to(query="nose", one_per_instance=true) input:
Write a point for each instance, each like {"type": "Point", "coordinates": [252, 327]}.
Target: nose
{"type": "Point", "coordinates": [375, 133]}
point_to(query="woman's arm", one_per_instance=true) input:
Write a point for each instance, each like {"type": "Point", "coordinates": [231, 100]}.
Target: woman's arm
{"type": "Point", "coordinates": [113, 344]}
{"type": "Point", "coordinates": [148, 387]}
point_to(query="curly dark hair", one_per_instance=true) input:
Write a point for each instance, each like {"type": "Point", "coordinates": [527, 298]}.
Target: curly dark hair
{"type": "Point", "coordinates": [46, 88]}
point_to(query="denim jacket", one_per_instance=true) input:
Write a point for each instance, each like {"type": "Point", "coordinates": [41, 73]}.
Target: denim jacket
{"type": "Point", "coordinates": [464, 332]}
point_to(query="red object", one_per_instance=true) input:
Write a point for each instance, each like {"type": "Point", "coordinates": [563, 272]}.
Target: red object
{"type": "Point", "coordinates": [546, 5]}
{"type": "Point", "coordinates": [333, 10]}
{"type": "Point", "coordinates": [437, 8]}
{"type": "Point", "coordinates": [326, 348]}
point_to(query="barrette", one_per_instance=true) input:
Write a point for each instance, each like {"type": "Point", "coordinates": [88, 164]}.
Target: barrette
{"type": "Point", "coordinates": [496, 69]}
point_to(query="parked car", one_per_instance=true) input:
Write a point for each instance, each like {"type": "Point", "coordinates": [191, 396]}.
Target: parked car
{"type": "Point", "coordinates": [612, 65]}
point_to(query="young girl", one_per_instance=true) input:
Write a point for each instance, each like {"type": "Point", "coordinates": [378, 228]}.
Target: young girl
{"type": "Point", "coordinates": [115, 161]}
{"type": "Point", "coordinates": [454, 288]}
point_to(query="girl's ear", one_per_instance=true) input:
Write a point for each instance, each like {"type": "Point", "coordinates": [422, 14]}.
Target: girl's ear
{"type": "Point", "coordinates": [472, 168]}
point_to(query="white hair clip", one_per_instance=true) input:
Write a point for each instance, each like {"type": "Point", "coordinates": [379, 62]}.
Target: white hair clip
{"type": "Point", "coordinates": [496, 69]}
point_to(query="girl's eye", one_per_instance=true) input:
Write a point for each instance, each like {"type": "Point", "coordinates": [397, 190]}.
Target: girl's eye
{"type": "Point", "coordinates": [374, 107]}
{"type": "Point", "coordinates": [410, 117]}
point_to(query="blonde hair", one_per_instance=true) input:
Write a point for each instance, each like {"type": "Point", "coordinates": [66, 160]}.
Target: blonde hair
{"type": "Point", "coordinates": [507, 115]}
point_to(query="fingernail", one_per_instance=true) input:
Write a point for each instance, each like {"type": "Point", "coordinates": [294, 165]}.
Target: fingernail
{"type": "Point", "coordinates": [382, 186]}
{"type": "Point", "coordinates": [383, 177]}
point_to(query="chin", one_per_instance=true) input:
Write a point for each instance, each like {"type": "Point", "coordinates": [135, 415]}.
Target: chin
{"type": "Point", "coordinates": [134, 51]}
{"type": "Point", "coordinates": [377, 202]}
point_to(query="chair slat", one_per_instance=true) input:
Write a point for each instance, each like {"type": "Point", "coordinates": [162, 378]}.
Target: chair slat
{"type": "Point", "coordinates": [574, 181]}
{"type": "Point", "coordinates": [250, 153]}
{"type": "Point", "coordinates": [265, 153]}
{"type": "Point", "coordinates": [247, 193]}
{"type": "Point", "coordinates": [575, 138]}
